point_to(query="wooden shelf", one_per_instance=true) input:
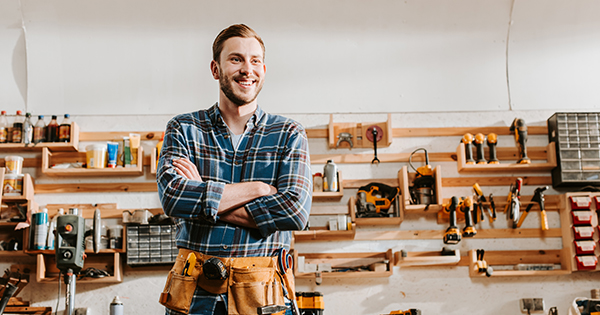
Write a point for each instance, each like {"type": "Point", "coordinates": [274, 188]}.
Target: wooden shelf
{"type": "Point", "coordinates": [359, 134]}
{"type": "Point", "coordinates": [346, 260]}
{"type": "Point", "coordinates": [547, 166]}
{"type": "Point", "coordinates": [8, 232]}
{"type": "Point", "coordinates": [331, 195]}
{"type": "Point", "coordinates": [71, 146]}
{"type": "Point", "coordinates": [50, 158]}
{"type": "Point", "coordinates": [325, 235]}
{"type": "Point", "coordinates": [48, 273]}
{"type": "Point", "coordinates": [514, 257]}
{"type": "Point", "coordinates": [406, 178]}
{"type": "Point", "coordinates": [377, 221]}
{"type": "Point", "coordinates": [416, 259]}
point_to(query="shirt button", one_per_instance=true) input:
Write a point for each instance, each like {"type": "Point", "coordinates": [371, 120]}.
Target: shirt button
{"type": "Point", "coordinates": [238, 163]}
{"type": "Point", "coordinates": [224, 246]}
{"type": "Point", "coordinates": [226, 136]}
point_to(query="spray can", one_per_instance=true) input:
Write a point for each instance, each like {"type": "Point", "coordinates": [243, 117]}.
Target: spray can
{"type": "Point", "coordinates": [116, 307]}
{"type": "Point", "coordinates": [40, 227]}
{"type": "Point", "coordinates": [330, 176]}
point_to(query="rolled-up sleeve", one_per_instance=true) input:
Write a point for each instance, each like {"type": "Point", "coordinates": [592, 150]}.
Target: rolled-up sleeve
{"type": "Point", "coordinates": [289, 208]}
{"type": "Point", "coordinates": [181, 197]}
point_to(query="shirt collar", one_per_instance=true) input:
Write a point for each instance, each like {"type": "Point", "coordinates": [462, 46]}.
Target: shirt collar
{"type": "Point", "coordinates": [217, 120]}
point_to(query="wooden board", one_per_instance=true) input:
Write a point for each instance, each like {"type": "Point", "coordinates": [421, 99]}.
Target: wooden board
{"type": "Point", "coordinates": [546, 166]}
{"type": "Point", "coordinates": [50, 158]}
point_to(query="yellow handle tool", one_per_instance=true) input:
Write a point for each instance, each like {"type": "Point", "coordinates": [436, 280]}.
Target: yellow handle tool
{"type": "Point", "coordinates": [190, 262]}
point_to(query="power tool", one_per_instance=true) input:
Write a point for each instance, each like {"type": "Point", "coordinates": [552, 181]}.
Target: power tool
{"type": "Point", "coordinates": [492, 142]}
{"type": "Point", "coordinates": [423, 189]}
{"type": "Point", "coordinates": [469, 230]}
{"type": "Point", "coordinates": [520, 129]}
{"type": "Point", "coordinates": [375, 200]}
{"type": "Point", "coordinates": [538, 196]}
{"type": "Point", "coordinates": [412, 311]}
{"type": "Point", "coordinates": [479, 141]}
{"type": "Point", "coordinates": [513, 202]}
{"type": "Point", "coordinates": [467, 139]}
{"type": "Point", "coordinates": [310, 303]}
{"type": "Point", "coordinates": [589, 307]}
{"type": "Point", "coordinates": [70, 249]}
{"type": "Point", "coordinates": [452, 235]}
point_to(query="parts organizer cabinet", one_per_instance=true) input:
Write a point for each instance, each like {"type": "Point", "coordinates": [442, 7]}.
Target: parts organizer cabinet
{"type": "Point", "coordinates": [151, 245]}
{"type": "Point", "coordinates": [577, 137]}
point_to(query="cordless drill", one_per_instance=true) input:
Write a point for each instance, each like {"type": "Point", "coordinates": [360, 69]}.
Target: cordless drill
{"type": "Point", "coordinates": [479, 141]}
{"type": "Point", "coordinates": [492, 141]}
{"type": "Point", "coordinates": [469, 230]}
{"type": "Point", "coordinates": [520, 129]}
{"type": "Point", "coordinates": [467, 139]}
{"type": "Point", "coordinates": [452, 235]}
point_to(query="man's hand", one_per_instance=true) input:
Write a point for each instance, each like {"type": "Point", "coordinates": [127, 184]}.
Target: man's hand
{"type": "Point", "coordinates": [187, 169]}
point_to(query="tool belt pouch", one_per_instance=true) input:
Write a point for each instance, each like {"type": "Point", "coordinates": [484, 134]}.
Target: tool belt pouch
{"type": "Point", "coordinates": [253, 285]}
{"type": "Point", "coordinates": [179, 289]}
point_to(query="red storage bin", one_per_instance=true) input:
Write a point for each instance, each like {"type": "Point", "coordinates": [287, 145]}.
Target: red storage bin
{"type": "Point", "coordinates": [587, 262]}
{"type": "Point", "coordinates": [597, 199]}
{"type": "Point", "coordinates": [582, 217]}
{"type": "Point", "coordinates": [585, 247]}
{"type": "Point", "coordinates": [583, 232]}
{"type": "Point", "coordinates": [580, 203]}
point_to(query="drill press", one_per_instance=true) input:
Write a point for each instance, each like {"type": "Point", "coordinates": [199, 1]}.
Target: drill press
{"type": "Point", "coordinates": [70, 249]}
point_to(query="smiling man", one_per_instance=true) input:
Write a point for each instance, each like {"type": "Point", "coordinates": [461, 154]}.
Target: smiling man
{"type": "Point", "coordinates": [237, 181]}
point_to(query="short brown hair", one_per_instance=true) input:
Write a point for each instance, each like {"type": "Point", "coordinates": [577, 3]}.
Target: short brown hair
{"type": "Point", "coordinates": [236, 30]}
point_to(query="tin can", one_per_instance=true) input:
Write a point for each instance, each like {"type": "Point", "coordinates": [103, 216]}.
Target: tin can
{"type": "Point", "coordinates": [330, 177]}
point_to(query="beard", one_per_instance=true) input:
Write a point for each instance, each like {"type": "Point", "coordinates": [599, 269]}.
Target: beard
{"type": "Point", "coordinates": [238, 99]}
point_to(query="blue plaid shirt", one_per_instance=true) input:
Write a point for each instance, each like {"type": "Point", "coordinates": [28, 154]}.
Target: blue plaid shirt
{"type": "Point", "coordinates": [273, 149]}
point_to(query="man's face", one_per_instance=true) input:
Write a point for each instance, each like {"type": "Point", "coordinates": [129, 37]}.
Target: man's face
{"type": "Point", "coordinates": [241, 70]}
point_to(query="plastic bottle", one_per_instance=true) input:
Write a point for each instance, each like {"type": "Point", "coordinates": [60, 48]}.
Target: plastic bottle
{"type": "Point", "coordinates": [330, 176]}
{"type": "Point", "coordinates": [17, 130]}
{"type": "Point", "coordinates": [64, 130]}
{"type": "Point", "coordinates": [40, 224]}
{"type": "Point", "coordinates": [27, 129]}
{"type": "Point", "coordinates": [52, 228]}
{"type": "Point", "coordinates": [39, 130]}
{"type": "Point", "coordinates": [52, 130]}
{"type": "Point", "coordinates": [116, 307]}
{"type": "Point", "coordinates": [3, 127]}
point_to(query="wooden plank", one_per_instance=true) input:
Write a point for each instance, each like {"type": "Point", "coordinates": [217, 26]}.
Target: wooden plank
{"type": "Point", "coordinates": [438, 234]}
{"type": "Point", "coordinates": [439, 132]}
{"type": "Point", "coordinates": [112, 135]}
{"type": "Point", "coordinates": [95, 187]}
{"type": "Point", "coordinates": [459, 181]}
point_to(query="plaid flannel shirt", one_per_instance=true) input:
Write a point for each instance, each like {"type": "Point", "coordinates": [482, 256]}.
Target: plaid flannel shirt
{"type": "Point", "coordinates": [273, 149]}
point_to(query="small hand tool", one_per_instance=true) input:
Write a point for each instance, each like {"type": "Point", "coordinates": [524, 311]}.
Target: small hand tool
{"type": "Point", "coordinates": [214, 269]}
{"type": "Point", "coordinates": [482, 265]}
{"type": "Point", "coordinates": [271, 309]}
{"type": "Point", "coordinates": [492, 207]}
{"type": "Point", "coordinates": [538, 196]}
{"type": "Point", "coordinates": [190, 262]}
{"type": "Point", "coordinates": [479, 141]}
{"type": "Point", "coordinates": [374, 134]}
{"type": "Point", "coordinates": [492, 142]}
{"type": "Point", "coordinates": [467, 139]}
{"type": "Point", "coordinates": [480, 200]}
{"type": "Point", "coordinates": [513, 204]}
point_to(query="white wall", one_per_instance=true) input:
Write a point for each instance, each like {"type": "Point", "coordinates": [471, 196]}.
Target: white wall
{"type": "Point", "coordinates": [119, 66]}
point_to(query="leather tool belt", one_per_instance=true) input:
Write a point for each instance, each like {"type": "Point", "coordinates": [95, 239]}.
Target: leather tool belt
{"type": "Point", "coordinates": [253, 282]}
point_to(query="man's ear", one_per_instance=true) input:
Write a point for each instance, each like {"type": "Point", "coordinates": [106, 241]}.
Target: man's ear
{"type": "Point", "coordinates": [214, 69]}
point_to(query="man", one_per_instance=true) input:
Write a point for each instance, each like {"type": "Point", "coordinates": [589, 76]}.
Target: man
{"type": "Point", "coordinates": [237, 181]}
